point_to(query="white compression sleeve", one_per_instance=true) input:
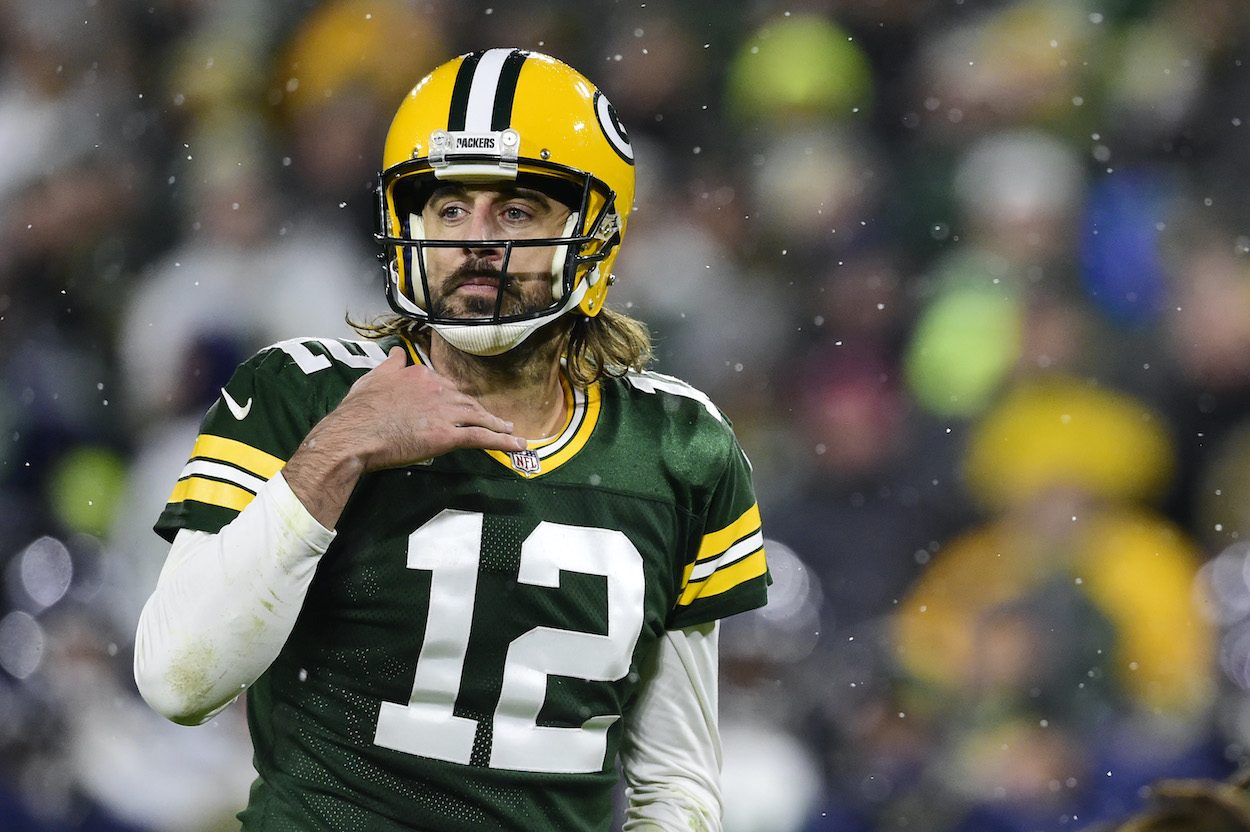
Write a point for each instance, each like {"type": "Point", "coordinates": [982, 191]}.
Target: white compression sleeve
{"type": "Point", "coordinates": [224, 605]}
{"type": "Point", "coordinates": [671, 754]}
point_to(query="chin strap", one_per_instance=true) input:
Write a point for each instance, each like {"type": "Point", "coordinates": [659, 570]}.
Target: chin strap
{"type": "Point", "coordinates": [494, 339]}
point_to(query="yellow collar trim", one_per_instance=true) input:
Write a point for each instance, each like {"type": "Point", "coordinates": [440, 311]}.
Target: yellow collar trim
{"type": "Point", "coordinates": [543, 457]}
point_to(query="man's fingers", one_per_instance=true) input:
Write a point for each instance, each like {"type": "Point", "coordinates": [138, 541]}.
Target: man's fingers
{"type": "Point", "coordinates": [429, 412]}
{"type": "Point", "coordinates": [478, 416]}
{"type": "Point", "coordinates": [394, 357]}
{"type": "Point", "coordinates": [480, 437]}
{"type": "Point", "coordinates": [486, 430]}
{"type": "Point", "coordinates": [395, 360]}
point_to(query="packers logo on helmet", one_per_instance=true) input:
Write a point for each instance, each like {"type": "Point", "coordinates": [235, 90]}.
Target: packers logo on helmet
{"type": "Point", "coordinates": [506, 115]}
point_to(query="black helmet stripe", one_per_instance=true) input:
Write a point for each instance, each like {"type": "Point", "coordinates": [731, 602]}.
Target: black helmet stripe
{"type": "Point", "coordinates": [485, 88]}
{"type": "Point", "coordinates": [505, 92]}
{"type": "Point", "coordinates": [460, 91]}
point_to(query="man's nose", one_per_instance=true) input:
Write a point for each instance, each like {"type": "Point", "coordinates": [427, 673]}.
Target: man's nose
{"type": "Point", "coordinates": [483, 226]}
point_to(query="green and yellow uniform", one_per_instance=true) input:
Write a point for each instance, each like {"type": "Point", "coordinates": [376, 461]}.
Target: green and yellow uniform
{"type": "Point", "coordinates": [478, 626]}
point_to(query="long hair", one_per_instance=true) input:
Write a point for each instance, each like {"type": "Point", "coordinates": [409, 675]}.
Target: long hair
{"type": "Point", "coordinates": [610, 344]}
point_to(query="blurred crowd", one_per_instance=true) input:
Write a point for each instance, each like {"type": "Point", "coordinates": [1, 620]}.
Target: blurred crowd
{"type": "Point", "coordinates": [971, 278]}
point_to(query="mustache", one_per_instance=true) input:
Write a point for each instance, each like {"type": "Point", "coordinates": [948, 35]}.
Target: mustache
{"type": "Point", "coordinates": [472, 269]}
{"type": "Point", "coordinates": [508, 292]}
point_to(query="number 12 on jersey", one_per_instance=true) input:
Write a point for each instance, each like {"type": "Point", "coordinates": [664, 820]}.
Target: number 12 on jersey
{"type": "Point", "coordinates": [449, 546]}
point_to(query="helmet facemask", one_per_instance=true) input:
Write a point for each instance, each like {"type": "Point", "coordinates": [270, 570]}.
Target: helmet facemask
{"type": "Point", "coordinates": [574, 269]}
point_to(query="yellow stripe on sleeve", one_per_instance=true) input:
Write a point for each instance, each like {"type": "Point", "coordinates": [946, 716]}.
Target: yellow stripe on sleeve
{"type": "Point", "coordinates": [237, 453]}
{"type": "Point", "coordinates": [714, 543]}
{"type": "Point", "coordinates": [752, 566]}
{"type": "Point", "coordinates": [212, 492]}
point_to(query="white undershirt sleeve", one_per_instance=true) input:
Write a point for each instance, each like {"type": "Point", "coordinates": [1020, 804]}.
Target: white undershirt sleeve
{"type": "Point", "coordinates": [224, 605]}
{"type": "Point", "coordinates": [671, 753]}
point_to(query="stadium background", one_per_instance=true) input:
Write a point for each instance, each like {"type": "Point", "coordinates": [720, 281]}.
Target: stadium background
{"type": "Point", "coordinates": [972, 279]}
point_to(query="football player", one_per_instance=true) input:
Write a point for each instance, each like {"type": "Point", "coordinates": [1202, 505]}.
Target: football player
{"type": "Point", "coordinates": [465, 566]}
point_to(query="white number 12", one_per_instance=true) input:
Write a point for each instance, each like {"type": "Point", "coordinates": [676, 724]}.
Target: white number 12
{"type": "Point", "coordinates": [450, 547]}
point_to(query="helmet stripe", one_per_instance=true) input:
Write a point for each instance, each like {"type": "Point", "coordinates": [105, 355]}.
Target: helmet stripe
{"type": "Point", "coordinates": [505, 94]}
{"type": "Point", "coordinates": [482, 94]}
{"type": "Point", "coordinates": [460, 91]}
{"type": "Point", "coordinates": [485, 88]}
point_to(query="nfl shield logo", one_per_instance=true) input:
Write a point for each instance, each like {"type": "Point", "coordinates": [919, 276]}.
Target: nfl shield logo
{"type": "Point", "coordinates": [526, 461]}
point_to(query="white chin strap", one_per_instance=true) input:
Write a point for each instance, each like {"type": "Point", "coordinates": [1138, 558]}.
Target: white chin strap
{"type": "Point", "coordinates": [494, 339]}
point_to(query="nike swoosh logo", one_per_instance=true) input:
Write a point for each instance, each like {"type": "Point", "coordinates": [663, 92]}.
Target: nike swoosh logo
{"type": "Point", "coordinates": [239, 411]}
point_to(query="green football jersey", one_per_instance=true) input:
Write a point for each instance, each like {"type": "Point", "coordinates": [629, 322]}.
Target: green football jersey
{"type": "Point", "coordinates": [474, 633]}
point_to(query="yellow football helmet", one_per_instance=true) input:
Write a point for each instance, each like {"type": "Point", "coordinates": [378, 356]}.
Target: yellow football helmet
{"type": "Point", "coordinates": [497, 116]}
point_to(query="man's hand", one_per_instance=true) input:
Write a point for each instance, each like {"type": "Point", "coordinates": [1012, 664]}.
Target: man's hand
{"type": "Point", "coordinates": [399, 415]}
{"type": "Point", "coordinates": [394, 415]}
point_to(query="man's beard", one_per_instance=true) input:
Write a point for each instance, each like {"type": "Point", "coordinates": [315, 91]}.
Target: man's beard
{"type": "Point", "coordinates": [449, 305]}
